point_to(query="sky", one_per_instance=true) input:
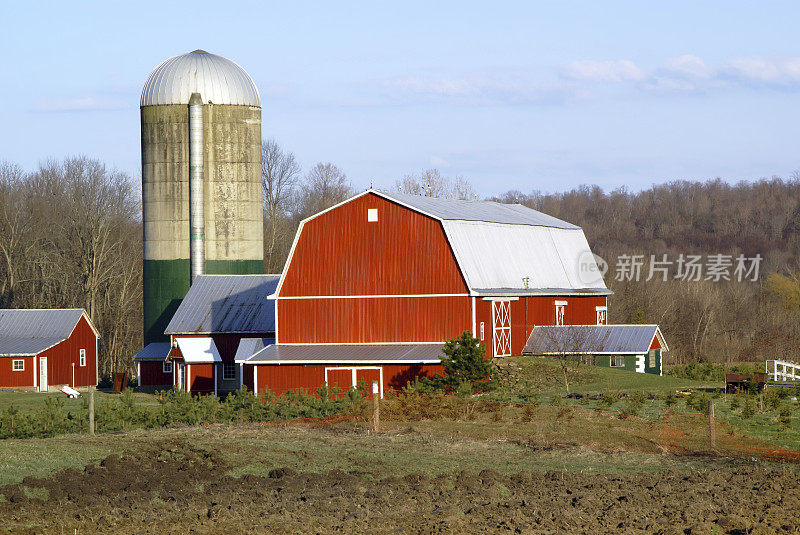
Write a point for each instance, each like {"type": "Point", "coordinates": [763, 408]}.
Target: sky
{"type": "Point", "coordinates": [510, 95]}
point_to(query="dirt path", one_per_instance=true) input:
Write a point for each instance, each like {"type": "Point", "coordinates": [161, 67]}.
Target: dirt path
{"type": "Point", "coordinates": [177, 488]}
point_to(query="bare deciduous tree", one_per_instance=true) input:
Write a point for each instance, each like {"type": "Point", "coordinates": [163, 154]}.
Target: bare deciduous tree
{"type": "Point", "coordinates": [279, 175]}
{"type": "Point", "coordinates": [432, 183]}
{"type": "Point", "coordinates": [324, 186]}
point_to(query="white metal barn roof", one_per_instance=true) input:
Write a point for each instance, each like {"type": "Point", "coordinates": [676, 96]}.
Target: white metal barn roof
{"type": "Point", "coordinates": [227, 304]}
{"type": "Point", "coordinates": [217, 79]}
{"type": "Point", "coordinates": [617, 339]}
{"type": "Point", "coordinates": [31, 331]}
{"type": "Point", "coordinates": [198, 350]}
{"type": "Point", "coordinates": [347, 354]}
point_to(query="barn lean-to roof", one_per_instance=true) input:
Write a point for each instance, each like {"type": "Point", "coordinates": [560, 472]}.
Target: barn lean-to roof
{"type": "Point", "coordinates": [345, 354]}
{"type": "Point", "coordinates": [505, 249]}
{"type": "Point", "coordinates": [31, 331]}
{"type": "Point", "coordinates": [593, 339]}
{"type": "Point", "coordinates": [226, 304]}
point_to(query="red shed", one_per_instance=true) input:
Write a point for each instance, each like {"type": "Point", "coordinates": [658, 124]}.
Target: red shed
{"type": "Point", "coordinates": [44, 349]}
{"type": "Point", "coordinates": [389, 269]}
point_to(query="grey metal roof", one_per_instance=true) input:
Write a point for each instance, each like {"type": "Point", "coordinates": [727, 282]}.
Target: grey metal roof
{"type": "Point", "coordinates": [348, 354]}
{"type": "Point", "coordinates": [551, 339]}
{"type": "Point", "coordinates": [217, 79]}
{"type": "Point", "coordinates": [227, 304]}
{"type": "Point", "coordinates": [487, 211]}
{"type": "Point", "coordinates": [31, 331]}
{"type": "Point", "coordinates": [250, 346]}
{"type": "Point", "coordinates": [154, 351]}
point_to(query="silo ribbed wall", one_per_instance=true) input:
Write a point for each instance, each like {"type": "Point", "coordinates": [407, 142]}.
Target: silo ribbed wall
{"type": "Point", "coordinates": [233, 213]}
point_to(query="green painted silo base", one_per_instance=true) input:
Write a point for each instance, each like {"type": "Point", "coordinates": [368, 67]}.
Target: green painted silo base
{"type": "Point", "coordinates": [166, 283]}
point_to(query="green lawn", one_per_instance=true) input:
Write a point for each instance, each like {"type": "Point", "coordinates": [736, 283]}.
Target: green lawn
{"type": "Point", "coordinates": [545, 376]}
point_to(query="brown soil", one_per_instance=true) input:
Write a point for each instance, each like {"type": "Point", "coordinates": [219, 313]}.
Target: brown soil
{"type": "Point", "coordinates": [177, 488]}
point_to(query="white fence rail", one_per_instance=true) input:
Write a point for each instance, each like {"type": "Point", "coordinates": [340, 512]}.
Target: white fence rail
{"type": "Point", "coordinates": [783, 370]}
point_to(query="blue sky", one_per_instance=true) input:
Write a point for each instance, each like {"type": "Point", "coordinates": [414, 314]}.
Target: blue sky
{"type": "Point", "coordinates": [510, 95]}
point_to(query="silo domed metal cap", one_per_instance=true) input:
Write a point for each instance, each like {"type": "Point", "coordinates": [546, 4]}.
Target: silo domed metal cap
{"type": "Point", "coordinates": [217, 79]}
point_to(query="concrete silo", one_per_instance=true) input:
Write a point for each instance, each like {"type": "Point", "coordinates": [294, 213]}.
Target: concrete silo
{"type": "Point", "coordinates": [201, 179]}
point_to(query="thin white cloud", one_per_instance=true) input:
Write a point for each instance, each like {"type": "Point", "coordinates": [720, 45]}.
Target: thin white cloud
{"type": "Point", "coordinates": [768, 71]}
{"type": "Point", "coordinates": [612, 71]}
{"type": "Point", "coordinates": [688, 67]}
{"type": "Point", "coordinates": [79, 104]}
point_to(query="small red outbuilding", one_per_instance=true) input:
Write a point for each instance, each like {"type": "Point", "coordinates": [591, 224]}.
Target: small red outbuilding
{"type": "Point", "coordinates": [45, 349]}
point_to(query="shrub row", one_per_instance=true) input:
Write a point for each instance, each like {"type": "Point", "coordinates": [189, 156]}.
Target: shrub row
{"type": "Point", "coordinates": [174, 408]}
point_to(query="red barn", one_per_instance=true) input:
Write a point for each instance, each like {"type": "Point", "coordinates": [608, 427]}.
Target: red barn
{"type": "Point", "coordinates": [374, 286]}
{"type": "Point", "coordinates": [45, 349]}
{"type": "Point", "coordinates": [218, 312]}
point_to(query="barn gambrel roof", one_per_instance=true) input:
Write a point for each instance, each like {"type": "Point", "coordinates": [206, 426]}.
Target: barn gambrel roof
{"type": "Point", "coordinates": [31, 331]}
{"type": "Point", "coordinates": [226, 304]}
{"type": "Point", "coordinates": [507, 249]}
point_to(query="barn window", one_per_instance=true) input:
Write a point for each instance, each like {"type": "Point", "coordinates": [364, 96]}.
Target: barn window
{"type": "Point", "coordinates": [372, 215]}
{"type": "Point", "coordinates": [18, 365]}
{"type": "Point", "coordinates": [617, 361]}
{"type": "Point", "coordinates": [560, 307]}
{"type": "Point", "coordinates": [83, 357]}
{"type": "Point", "coordinates": [483, 332]}
{"type": "Point", "coordinates": [652, 359]}
{"type": "Point", "coordinates": [602, 315]}
{"type": "Point", "coordinates": [166, 366]}
{"type": "Point", "coordinates": [228, 371]}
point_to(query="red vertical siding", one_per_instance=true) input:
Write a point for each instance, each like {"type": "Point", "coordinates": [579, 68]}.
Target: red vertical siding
{"type": "Point", "coordinates": [406, 319]}
{"type": "Point", "coordinates": [19, 379]}
{"type": "Point", "coordinates": [61, 357]}
{"type": "Point", "coordinates": [201, 378]}
{"type": "Point", "coordinates": [152, 374]}
{"type": "Point", "coordinates": [341, 253]}
{"type": "Point", "coordinates": [527, 312]}
{"type": "Point", "coordinates": [280, 379]}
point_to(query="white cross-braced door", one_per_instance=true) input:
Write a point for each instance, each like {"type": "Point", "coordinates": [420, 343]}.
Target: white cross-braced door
{"type": "Point", "coordinates": [501, 319]}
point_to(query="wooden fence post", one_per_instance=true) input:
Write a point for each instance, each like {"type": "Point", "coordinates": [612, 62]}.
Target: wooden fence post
{"type": "Point", "coordinates": [91, 410]}
{"type": "Point", "coordinates": [375, 407]}
{"type": "Point", "coordinates": [712, 438]}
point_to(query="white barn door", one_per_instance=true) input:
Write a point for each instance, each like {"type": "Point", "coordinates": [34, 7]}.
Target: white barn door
{"type": "Point", "coordinates": [501, 320]}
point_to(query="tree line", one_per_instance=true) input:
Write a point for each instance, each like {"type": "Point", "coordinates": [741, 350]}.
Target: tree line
{"type": "Point", "coordinates": [71, 236]}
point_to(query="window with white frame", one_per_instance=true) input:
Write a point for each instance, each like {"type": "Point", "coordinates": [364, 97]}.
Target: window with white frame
{"type": "Point", "coordinates": [560, 308]}
{"type": "Point", "coordinates": [617, 361]}
{"type": "Point", "coordinates": [166, 366]}
{"type": "Point", "coordinates": [18, 365]}
{"type": "Point", "coordinates": [372, 215]}
{"type": "Point", "coordinates": [228, 371]}
{"type": "Point", "coordinates": [82, 361]}
{"type": "Point", "coordinates": [483, 332]}
{"type": "Point", "coordinates": [601, 315]}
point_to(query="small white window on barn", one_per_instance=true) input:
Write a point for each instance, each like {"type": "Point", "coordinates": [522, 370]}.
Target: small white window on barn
{"type": "Point", "coordinates": [483, 332]}
{"type": "Point", "coordinates": [602, 315]}
{"type": "Point", "coordinates": [18, 365]}
{"type": "Point", "coordinates": [372, 215]}
{"type": "Point", "coordinates": [617, 361]}
{"type": "Point", "coordinates": [228, 371]}
{"type": "Point", "coordinates": [560, 308]}
{"type": "Point", "coordinates": [83, 357]}
{"type": "Point", "coordinates": [166, 366]}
